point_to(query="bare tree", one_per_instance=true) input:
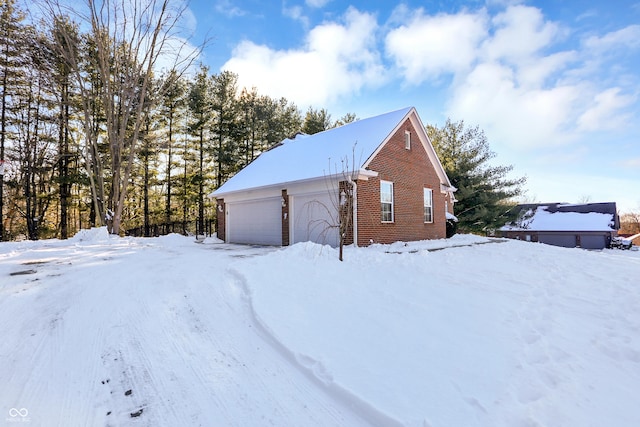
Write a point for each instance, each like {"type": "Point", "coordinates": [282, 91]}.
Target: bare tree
{"type": "Point", "coordinates": [345, 206]}
{"type": "Point", "coordinates": [338, 214]}
{"type": "Point", "coordinates": [129, 38]}
{"type": "Point", "coordinates": [585, 198]}
{"type": "Point", "coordinates": [630, 222]}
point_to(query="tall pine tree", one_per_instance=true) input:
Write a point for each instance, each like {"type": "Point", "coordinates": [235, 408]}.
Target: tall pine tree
{"type": "Point", "coordinates": [484, 190]}
{"type": "Point", "coordinates": [172, 112]}
{"type": "Point", "coordinates": [201, 111]}
{"type": "Point", "coordinates": [11, 64]}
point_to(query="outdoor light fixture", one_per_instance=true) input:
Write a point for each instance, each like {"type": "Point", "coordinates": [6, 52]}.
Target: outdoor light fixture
{"type": "Point", "coordinates": [343, 198]}
{"type": "Point", "coordinates": [283, 201]}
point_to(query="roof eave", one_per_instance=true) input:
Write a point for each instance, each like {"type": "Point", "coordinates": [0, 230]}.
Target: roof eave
{"type": "Point", "coordinates": [361, 174]}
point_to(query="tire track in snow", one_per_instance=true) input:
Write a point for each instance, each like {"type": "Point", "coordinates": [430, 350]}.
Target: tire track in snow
{"type": "Point", "coordinates": [313, 369]}
{"type": "Point", "coordinates": [207, 366]}
{"type": "Point", "coordinates": [174, 331]}
{"type": "Point", "coordinates": [36, 329]}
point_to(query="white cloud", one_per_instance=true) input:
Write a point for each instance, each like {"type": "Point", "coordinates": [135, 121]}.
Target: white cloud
{"type": "Point", "coordinates": [337, 59]}
{"type": "Point", "coordinates": [510, 87]}
{"type": "Point", "coordinates": [514, 115]}
{"type": "Point", "coordinates": [429, 46]}
{"type": "Point", "coordinates": [317, 3]}
{"type": "Point", "coordinates": [520, 32]}
{"type": "Point", "coordinates": [605, 111]}
{"type": "Point", "coordinates": [296, 13]}
{"type": "Point", "coordinates": [510, 78]}
{"type": "Point", "coordinates": [511, 73]}
{"type": "Point", "coordinates": [633, 163]}
{"type": "Point", "coordinates": [537, 71]}
{"type": "Point", "coordinates": [628, 38]}
{"type": "Point", "coordinates": [225, 7]}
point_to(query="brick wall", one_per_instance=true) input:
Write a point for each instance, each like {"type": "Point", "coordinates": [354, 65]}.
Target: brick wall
{"type": "Point", "coordinates": [221, 219]}
{"type": "Point", "coordinates": [410, 171]}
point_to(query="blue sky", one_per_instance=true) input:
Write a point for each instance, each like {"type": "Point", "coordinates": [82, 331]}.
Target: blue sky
{"type": "Point", "coordinates": [554, 84]}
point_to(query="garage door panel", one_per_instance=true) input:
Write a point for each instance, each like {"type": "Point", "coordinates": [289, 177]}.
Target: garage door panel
{"type": "Point", "coordinates": [255, 222]}
{"type": "Point", "coordinates": [564, 240]}
{"type": "Point", "coordinates": [593, 242]}
{"type": "Point", "coordinates": [314, 219]}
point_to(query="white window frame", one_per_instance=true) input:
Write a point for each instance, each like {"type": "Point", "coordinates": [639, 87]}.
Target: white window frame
{"type": "Point", "coordinates": [383, 201]}
{"type": "Point", "coordinates": [407, 140]}
{"type": "Point", "coordinates": [428, 205]}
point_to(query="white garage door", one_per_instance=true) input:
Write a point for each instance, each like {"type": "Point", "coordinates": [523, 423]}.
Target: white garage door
{"type": "Point", "coordinates": [255, 222]}
{"type": "Point", "coordinates": [314, 219]}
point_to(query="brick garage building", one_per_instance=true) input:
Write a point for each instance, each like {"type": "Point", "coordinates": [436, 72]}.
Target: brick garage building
{"type": "Point", "coordinates": [384, 165]}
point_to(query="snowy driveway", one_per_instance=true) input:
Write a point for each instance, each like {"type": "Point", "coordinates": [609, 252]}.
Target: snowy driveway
{"type": "Point", "coordinates": [166, 332]}
{"type": "Point", "coordinates": [130, 332]}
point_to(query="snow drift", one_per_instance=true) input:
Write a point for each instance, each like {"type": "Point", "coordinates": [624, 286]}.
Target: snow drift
{"type": "Point", "coordinates": [100, 330]}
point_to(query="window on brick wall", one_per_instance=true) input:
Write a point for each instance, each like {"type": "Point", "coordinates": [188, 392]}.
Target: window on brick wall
{"type": "Point", "coordinates": [428, 205]}
{"type": "Point", "coordinates": [407, 140]}
{"type": "Point", "coordinates": [386, 200]}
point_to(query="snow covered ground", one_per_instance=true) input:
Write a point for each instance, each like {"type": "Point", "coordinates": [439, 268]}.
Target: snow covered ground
{"type": "Point", "coordinates": [103, 331]}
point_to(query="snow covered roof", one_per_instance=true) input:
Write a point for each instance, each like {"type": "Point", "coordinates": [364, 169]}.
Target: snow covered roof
{"type": "Point", "coordinates": [308, 157]}
{"type": "Point", "coordinates": [565, 217]}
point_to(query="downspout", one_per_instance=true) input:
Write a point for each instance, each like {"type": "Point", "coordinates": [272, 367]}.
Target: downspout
{"type": "Point", "coordinates": [355, 212]}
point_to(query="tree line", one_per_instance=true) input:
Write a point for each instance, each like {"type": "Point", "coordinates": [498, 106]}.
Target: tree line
{"type": "Point", "coordinates": [92, 134]}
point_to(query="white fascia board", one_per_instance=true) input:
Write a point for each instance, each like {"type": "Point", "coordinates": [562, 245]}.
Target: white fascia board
{"type": "Point", "coordinates": [292, 187]}
{"type": "Point", "coordinates": [365, 174]}
{"type": "Point", "coordinates": [447, 188]}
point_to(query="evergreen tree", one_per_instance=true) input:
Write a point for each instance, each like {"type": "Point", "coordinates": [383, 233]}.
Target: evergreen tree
{"type": "Point", "coordinates": [264, 122]}
{"type": "Point", "coordinates": [287, 121]}
{"type": "Point", "coordinates": [11, 62]}
{"type": "Point", "coordinates": [201, 112]}
{"type": "Point", "coordinates": [61, 68]}
{"type": "Point", "coordinates": [316, 121]}
{"type": "Point", "coordinates": [34, 143]}
{"type": "Point", "coordinates": [253, 108]}
{"type": "Point", "coordinates": [347, 118]}
{"type": "Point", "coordinates": [484, 190]}
{"type": "Point", "coordinates": [172, 111]}
{"type": "Point", "coordinates": [226, 132]}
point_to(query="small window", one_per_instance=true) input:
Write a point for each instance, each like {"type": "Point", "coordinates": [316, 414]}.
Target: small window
{"type": "Point", "coordinates": [428, 205]}
{"type": "Point", "coordinates": [407, 140]}
{"type": "Point", "coordinates": [386, 200]}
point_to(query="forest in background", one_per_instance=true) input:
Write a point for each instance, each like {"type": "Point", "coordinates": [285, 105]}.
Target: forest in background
{"type": "Point", "coordinates": [64, 160]}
